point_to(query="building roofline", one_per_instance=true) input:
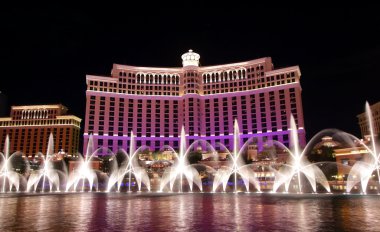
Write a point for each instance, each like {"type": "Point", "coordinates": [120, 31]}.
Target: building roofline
{"type": "Point", "coordinates": [179, 69]}
{"type": "Point", "coordinates": [100, 78]}
{"type": "Point", "coordinates": [142, 69]}
{"type": "Point", "coordinates": [283, 70]}
{"type": "Point", "coordinates": [69, 117]}
{"type": "Point", "coordinates": [35, 107]}
{"type": "Point", "coordinates": [250, 62]}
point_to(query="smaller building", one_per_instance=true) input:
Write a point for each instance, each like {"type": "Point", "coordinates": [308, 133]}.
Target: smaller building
{"type": "Point", "coordinates": [346, 157]}
{"type": "Point", "coordinates": [29, 128]}
{"type": "Point", "coordinates": [327, 141]}
{"type": "Point", "coordinates": [363, 121]}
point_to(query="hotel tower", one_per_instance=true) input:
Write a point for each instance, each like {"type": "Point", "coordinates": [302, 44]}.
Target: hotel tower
{"type": "Point", "coordinates": [155, 103]}
{"type": "Point", "coordinates": [29, 128]}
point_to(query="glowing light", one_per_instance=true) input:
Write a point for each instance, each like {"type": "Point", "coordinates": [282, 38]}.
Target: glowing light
{"type": "Point", "coordinates": [190, 59]}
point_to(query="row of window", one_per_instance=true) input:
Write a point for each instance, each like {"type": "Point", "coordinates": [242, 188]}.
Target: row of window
{"type": "Point", "coordinates": [30, 114]}
{"type": "Point", "coordinates": [243, 86]}
{"type": "Point", "coordinates": [157, 144]}
{"type": "Point", "coordinates": [271, 117]}
{"type": "Point", "coordinates": [36, 122]}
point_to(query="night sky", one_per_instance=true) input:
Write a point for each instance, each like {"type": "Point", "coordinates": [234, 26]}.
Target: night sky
{"type": "Point", "coordinates": [45, 54]}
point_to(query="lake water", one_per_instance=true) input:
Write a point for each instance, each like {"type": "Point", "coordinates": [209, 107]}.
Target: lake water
{"type": "Point", "coordinates": [188, 212]}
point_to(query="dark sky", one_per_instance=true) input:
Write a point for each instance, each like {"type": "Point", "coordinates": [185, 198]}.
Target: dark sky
{"type": "Point", "coordinates": [45, 54]}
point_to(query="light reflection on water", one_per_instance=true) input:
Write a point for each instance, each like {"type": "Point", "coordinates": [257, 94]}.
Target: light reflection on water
{"type": "Point", "coordinates": [187, 212]}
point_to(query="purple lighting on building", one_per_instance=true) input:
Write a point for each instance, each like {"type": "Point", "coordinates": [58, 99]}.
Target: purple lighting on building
{"type": "Point", "coordinates": [156, 102]}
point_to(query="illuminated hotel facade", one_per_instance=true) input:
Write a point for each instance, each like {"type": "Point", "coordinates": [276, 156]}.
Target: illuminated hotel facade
{"type": "Point", "coordinates": [154, 103]}
{"type": "Point", "coordinates": [29, 128]}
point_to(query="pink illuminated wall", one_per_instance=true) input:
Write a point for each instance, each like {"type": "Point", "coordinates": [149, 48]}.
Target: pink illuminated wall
{"type": "Point", "coordinates": [156, 102]}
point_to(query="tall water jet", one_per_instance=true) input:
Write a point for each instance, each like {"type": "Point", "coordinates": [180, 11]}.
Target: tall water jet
{"type": "Point", "coordinates": [236, 150]}
{"type": "Point", "coordinates": [48, 155]}
{"type": "Point", "coordinates": [182, 150]}
{"type": "Point", "coordinates": [89, 153]}
{"type": "Point", "coordinates": [296, 150]}
{"type": "Point", "coordinates": [5, 168]}
{"type": "Point", "coordinates": [134, 168]}
{"type": "Point", "coordinates": [131, 152]}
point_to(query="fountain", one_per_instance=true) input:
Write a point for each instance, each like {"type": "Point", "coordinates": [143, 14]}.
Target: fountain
{"type": "Point", "coordinates": [297, 174]}
{"type": "Point", "coordinates": [181, 168]}
{"type": "Point", "coordinates": [362, 171]}
{"type": "Point", "coordinates": [238, 167]}
{"type": "Point", "coordinates": [7, 170]}
{"type": "Point", "coordinates": [47, 172]}
{"type": "Point", "coordinates": [298, 164]}
{"type": "Point", "coordinates": [84, 171]}
{"type": "Point", "coordinates": [131, 167]}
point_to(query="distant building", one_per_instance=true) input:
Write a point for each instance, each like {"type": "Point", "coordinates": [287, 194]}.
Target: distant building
{"type": "Point", "coordinates": [29, 128]}
{"type": "Point", "coordinates": [3, 105]}
{"type": "Point", "coordinates": [363, 121]}
{"type": "Point", "coordinates": [154, 103]}
{"type": "Point", "coordinates": [347, 156]}
{"type": "Point", "coordinates": [327, 141]}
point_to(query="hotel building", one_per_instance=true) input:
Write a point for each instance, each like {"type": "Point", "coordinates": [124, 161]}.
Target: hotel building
{"type": "Point", "coordinates": [363, 121]}
{"type": "Point", "coordinates": [154, 103]}
{"type": "Point", "coordinates": [29, 128]}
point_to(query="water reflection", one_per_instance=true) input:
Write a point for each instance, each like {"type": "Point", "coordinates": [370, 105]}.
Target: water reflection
{"type": "Point", "coordinates": [187, 212]}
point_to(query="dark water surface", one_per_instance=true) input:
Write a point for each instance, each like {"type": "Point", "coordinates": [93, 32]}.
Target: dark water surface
{"type": "Point", "coordinates": [188, 212]}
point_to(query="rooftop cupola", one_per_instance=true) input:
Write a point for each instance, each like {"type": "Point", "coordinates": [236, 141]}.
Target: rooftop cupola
{"type": "Point", "coordinates": [190, 59]}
